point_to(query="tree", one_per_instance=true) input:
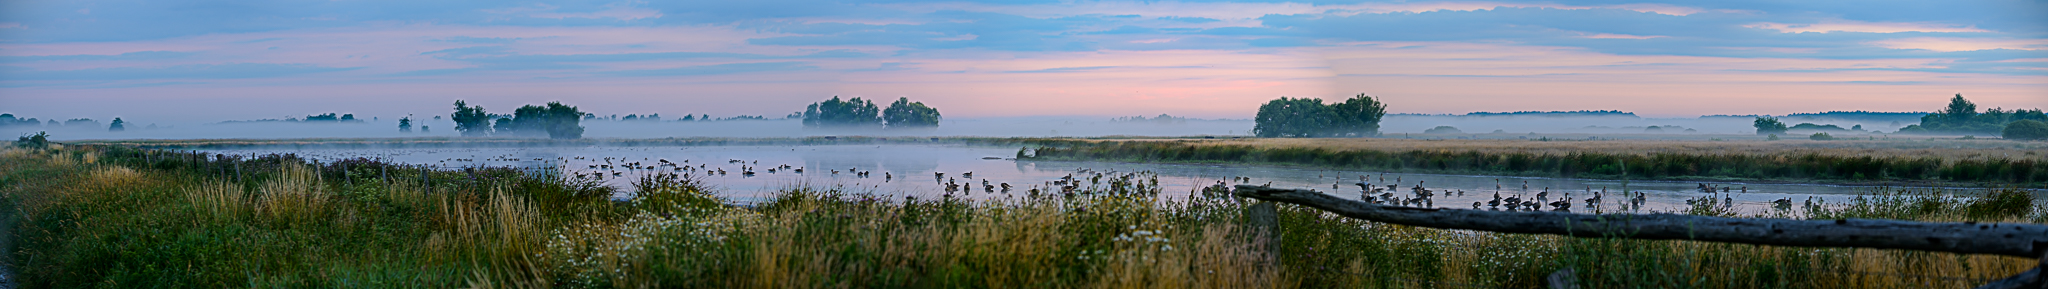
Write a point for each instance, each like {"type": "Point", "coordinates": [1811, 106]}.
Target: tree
{"type": "Point", "coordinates": [1358, 116]}
{"type": "Point", "coordinates": [836, 113]}
{"type": "Point", "coordinates": [562, 121]}
{"type": "Point", "coordinates": [2026, 130]}
{"type": "Point", "coordinates": [906, 114]}
{"type": "Point", "coordinates": [1292, 117]}
{"type": "Point", "coordinates": [405, 124]}
{"type": "Point", "coordinates": [118, 125]}
{"type": "Point", "coordinates": [506, 127]}
{"type": "Point", "coordinates": [471, 120]}
{"type": "Point", "coordinates": [1959, 110]}
{"type": "Point", "coordinates": [1769, 125]}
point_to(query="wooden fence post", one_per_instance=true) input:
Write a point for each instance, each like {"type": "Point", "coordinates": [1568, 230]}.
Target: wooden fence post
{"type": "Point", "coordinates": [1264, 220]}
{"type": "Point", "coordinates": [1563, 279]}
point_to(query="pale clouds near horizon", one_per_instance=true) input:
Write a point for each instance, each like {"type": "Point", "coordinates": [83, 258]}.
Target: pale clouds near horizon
{"type": "Point", "coordinates": [217, 60]}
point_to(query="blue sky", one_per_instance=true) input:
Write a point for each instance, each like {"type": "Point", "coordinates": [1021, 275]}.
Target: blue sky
{"type": "Point", "coordinates": [265, 59]}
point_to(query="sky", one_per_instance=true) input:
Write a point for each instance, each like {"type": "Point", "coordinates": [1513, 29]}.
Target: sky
{"type": "Point", "coordinates": [205, 60]}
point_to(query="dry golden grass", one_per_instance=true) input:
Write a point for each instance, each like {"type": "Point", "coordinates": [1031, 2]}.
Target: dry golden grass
{"type": "Point", "coordinates": [294, 197]}
{"type": "Point", "coordinates": [218, 201]}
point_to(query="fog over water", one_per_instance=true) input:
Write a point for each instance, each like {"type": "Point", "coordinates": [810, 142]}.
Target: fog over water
{"type": "Point", "coordinates": [1391, 126]}
{"type": "Point", "coordinates": [907, 170]}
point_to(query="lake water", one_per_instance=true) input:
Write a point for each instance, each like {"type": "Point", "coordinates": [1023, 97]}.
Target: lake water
{"type": "Point", "coordinates": [908, 170]}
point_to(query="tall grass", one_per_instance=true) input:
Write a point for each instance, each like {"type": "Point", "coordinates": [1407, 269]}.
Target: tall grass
{"type": "Point", "coordinates": [1980, 162]}
{"type": "Point", "coordinates": [118, 217]}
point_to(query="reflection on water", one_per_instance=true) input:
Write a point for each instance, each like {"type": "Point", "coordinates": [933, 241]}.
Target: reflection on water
{"type": "Point", "coordinates": [909, 170]}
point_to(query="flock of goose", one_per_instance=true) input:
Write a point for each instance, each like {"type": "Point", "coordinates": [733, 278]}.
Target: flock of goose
{"type": "Point", "coordinates": [1418, 195]}
{"type": "Point", "coordinates": [1422, 196]}
{"type": "Point", "coordinates": [1374, 189]}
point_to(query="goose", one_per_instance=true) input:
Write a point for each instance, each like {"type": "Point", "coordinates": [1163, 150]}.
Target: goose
{"type": "Point", "coordinates": [1564, 203]}
{"type": "Point", "coordinates": [1782, 204]}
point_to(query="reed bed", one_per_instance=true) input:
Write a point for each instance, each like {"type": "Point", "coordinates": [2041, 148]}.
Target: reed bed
{"type": "Point", "coordinates": [119, 217]}
{"type": "Point", "coordinates": [1959, 162]}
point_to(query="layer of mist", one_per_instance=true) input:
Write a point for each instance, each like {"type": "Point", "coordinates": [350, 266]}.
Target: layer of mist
{"type": "Point", "coordinates": [1398, 125]}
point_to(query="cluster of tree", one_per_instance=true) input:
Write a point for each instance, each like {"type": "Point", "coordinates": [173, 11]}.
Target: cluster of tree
{"type": "Point", "coordinates": [8, 119]}
{"type": "Point", "coordinates": [1821, 127]}
{"type": "Point", "coordinates": [1309, 117]}
{"type": "Point", "coordinates": [631, 117]}
{"type": "Point", "coordinates": [329, 117]}
{"type": "Point", "coordinates": [1860, 116]}
{"type": "Point", "coordinates": [1161, 119]}
{"type": "Point", "coordinates": [1961, 116]}
{"type": "Point", "coordinates": [554, 120]}
{"type": "Point", "coordinates": [857, 113]}
{"type": "Point", "coordinates": [326, 117]}
{"type": "Point", "coordinates": [1613, 113]}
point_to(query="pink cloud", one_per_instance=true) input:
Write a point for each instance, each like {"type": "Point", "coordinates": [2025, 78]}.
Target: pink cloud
{"type": "Point", "coordinates": [1860, 26]}
{"type": "Point", "coordinates": [1945, 44]}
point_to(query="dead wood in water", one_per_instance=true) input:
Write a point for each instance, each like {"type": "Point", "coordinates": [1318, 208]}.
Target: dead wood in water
{"type": "Point", "coordinates": [2020, 240]}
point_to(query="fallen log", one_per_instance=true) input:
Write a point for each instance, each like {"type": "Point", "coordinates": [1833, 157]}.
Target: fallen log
{"type": "Point", "coordinates": [2019, 240]}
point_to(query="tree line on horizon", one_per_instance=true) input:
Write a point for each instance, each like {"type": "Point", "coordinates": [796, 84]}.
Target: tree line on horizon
{"type": "Point", "coordinates": [1960, 117]}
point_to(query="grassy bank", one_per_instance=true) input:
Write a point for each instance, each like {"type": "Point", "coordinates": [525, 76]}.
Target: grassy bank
{"type": "Point", "coordinates": [120, 217]}
{"type": "Point", "coordinates": [1966, 162]}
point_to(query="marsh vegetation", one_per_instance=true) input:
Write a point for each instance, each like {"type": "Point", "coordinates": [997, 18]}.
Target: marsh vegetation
{"type": "Point", "coordinates": [85, 216]}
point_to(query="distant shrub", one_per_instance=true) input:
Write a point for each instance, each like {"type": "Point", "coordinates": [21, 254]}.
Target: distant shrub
{"type": "Point", "coordinates": [1772, 137]}
{"type": "Point", "coordinates": [1821, 136]}
{"type": "Point", "coordinates": [2026, 130]}
{"type": "Point", "coordinates": [1443, 129]}
{"type": "Point", "coordinates": [35, 141]}
{"type": "Point", "coordinates": [1999, 204]}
